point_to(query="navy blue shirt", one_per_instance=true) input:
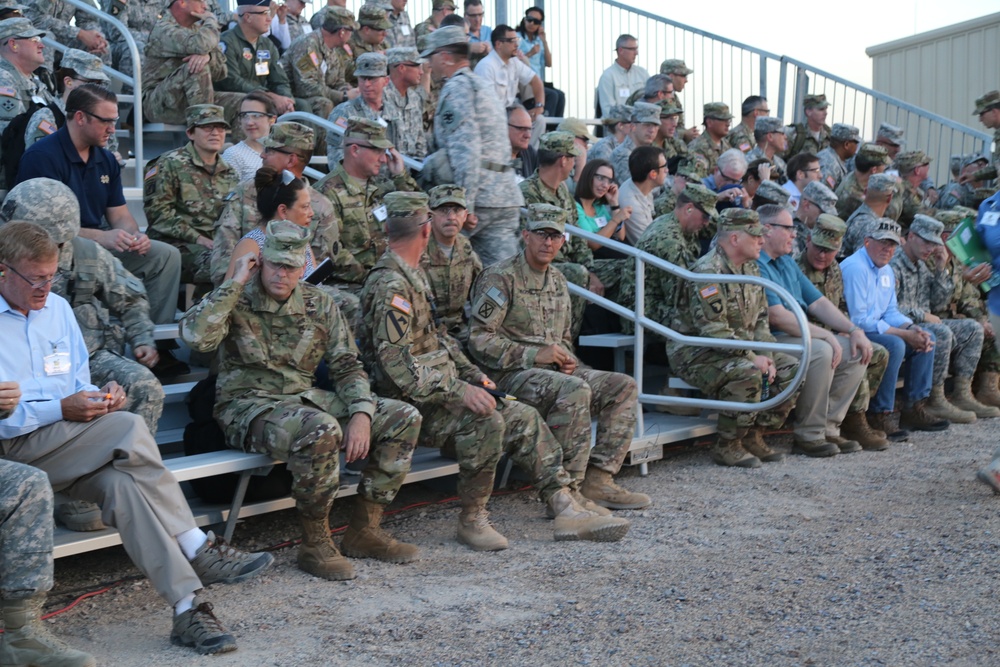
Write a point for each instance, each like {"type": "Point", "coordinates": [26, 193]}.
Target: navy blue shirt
{"type": "Point", "coordinates": [97, 182]}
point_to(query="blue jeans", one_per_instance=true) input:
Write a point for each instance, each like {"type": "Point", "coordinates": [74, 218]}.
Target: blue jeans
{"type": "Point", "coordinates": [919, 373]}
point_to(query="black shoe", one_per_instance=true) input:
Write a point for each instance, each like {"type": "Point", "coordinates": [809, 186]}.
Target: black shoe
{"type": "Point", "coordinates": [169, 366]}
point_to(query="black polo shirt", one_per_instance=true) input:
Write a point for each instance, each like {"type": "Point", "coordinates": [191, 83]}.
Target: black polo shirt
{"type": "Point", "coordinates": [97, 182]}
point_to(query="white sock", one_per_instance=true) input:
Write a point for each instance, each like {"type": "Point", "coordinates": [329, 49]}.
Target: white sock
{"type": "Point", "coordinates": [190, 541]}
{"type": "Point", "coordinates": [184, 604]}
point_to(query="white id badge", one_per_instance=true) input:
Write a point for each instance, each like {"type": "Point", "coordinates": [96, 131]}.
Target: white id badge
{"type": "Point", "coordinates": [381, 213]}
{"type": "Point", "coordinates": [884, 281]}
{"type": "Point", "coordinates": [624, 93]}
{"type": "Point", "coordinates": [261, 68]}
{"type": "Point", "coordinates": [57, 363]}
{"type": "Point", "coordinates": [990, 219]}
{"type": "Point", "coordinates": [601, 222]}
{"type": "Point", "coordinates": [405, 29]}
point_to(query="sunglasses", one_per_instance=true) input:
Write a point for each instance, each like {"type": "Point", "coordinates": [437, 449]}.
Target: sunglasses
{"type": "Point", "coordinates": [532, 20]}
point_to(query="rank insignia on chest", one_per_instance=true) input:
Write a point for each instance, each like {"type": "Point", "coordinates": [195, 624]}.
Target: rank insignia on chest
{"type": "Point", "coordinates": [105, 179]}
{"type": "Point", "coordinates": [247, 54]}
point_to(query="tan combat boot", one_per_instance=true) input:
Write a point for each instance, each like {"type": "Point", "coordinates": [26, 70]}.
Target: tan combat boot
{"type": "Point", "coordinates": [317, 554]}
{"type": "Point", "coordinates": [599, 486]}
{"type": "Point", "coordinates": [938, 406]}
{"type": "Point", "coordinates": [575, 523]}
{"type": "Point", "coordinates": [26, 640]}
{"type": "Point", "coordinates": [987, 392]}
{"type": "Point", "coordinates": [855, 427]}
{"type": "Point", "coordinates": [962, 398]}
{"type": "Point", "coordinates": [731, 453]}
{"type": "Point", "coordinates": [365, 538]}
{"type": "Point", "coordinates": [476, 532]}
{"type": "Point", "coordinates": [755, 444]}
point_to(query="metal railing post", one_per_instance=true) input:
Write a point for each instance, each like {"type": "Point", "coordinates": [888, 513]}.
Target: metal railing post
{"type": "Point", "coordinates": [502, 12]}
{"type": "Point", "coordinates": [306, 117]}
{"type": "Point", "coordinates": [782, 84]}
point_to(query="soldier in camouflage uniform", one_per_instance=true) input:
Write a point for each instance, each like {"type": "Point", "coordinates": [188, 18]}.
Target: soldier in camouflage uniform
{"type": "Point", "coordinates": [273, 331]}
{"type": "Point", "coordinates": [844, 142]}
{"type": "Point", "coordinates": [913, 167]}
{"type": "Point", "coordinates": [816, 200]}
{"type": "Point", "coordinates": [645, 126]}
{"type": "Point", "coordinates": [712, 142]}
{"type": "Point", "coordinates": [355, 189]}
{"type": "Point", "coordinates": [54, 17]}
{"type": "Point", "coordinates": [401, 33]}
{"type": "Point", "coordinates": [878, 196]}
{"type": "Point", "coordinates": [678, 71]}
{"type": "Point", "coordinates": [617, 124]}
{"type": "Point", "coordinates": [732, 311]}
{"type": "Point", "coordinates": [962, 194]}
{"type": "Point", "coordinates": [26, 567]}
{"type": "Point", "coordinates": [820, 268]}
{"type": "Point", "coordinates": [520, 333]}
{"type": "Point", "coordinates": [871, 159]}
{"type": "Point", "coordinates": [439, 9]}
{"type": "Point", "coordinates": [959, 342]}
{"type": "Point", "coordinates": [110, 303]}
{"type": "Point", "coordinates": [185, 191]}
{"type": "Point", "coordinates": [741, 136]}
{"type": "Point", "coordinates": [988, 110]}
{"type": "Point", "coordinates": [691, 169]}
{"type": "Point", "coordinates": [670, 113]}
{"type": "Point", "coordinates": [372, 76]}
{"type": "Point", "coordinates": [139, 16]}
{"type": "Point", "coordinates": [771, 143]}
{"type": "Point", "coordinates": [368, 37]}
{"type": "Point", "coordinates": [317, 63]}
{"type": "Point", "coordinates": [813, 135]}
{"type": "Point", "coordinates": [404, 99]}
{"type": "Point", "coordinates": [449, 263]}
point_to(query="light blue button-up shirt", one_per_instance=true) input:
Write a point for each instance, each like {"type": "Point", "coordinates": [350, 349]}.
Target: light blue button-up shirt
{"type": "Point", "coordinates": [871, 294]}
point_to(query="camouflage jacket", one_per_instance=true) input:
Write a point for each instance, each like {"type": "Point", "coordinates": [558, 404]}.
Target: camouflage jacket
{"type": "Point", "coordinates": [17, 92]}
{"type": "Point", "coordinates": [990, 172]}
{"type": "Point", "coordinates": [911, 202]}
{"type": "Point", "coordinates": [703, 145]}
{"type": "Point", "coordinates": [357, 46]}
{"type": "Point", "coordinates": [425, 27]}
{"type": "Point", "coordinates": [405, 115]}
{"type": "Point", "coordinates": [54, 16]}
{"type": "Point", "coordinates": [401, 33]}
{"type": "Point", "coordinates": [408, 355]}
{"type": "Point", "coordinates": [603, 149]}
{"type": "Point", "coordinates": [242, 59]}
{"type": "Point", "coordinates": [850, 195]}
{"type": "Point", "coordinates": [779, 169]}
{"type": "Point", "coordinates": [451, 278]}
{"type": "Point", "coordinates": [916, 288]}
{"type": "Point", "coordinates": [832, 168]}
{"type": "Point", "coordinates": [800, 140]}
{"type": "Point", "coordinates": [672, 146]}
{"type": "Point", "coordinates": [829, 282]}
{"type": "Point", "coordinates": [953, 195]}
{"type": "Point", "coordinates": [182, 198]}
{"type": "Point", "coordinates": [169, 43]}
{"type": "Point", "coordinates": [139, 16]}
{"type": "Point", "coordinates": [619, 159]}
{"type": "Point", "coordinates": [516, 311]}
{"type": "Point", "coordinates": [742, 138]}
{"type": "Point", "coordinates": [270, 351]}
{"type": "Point", "coordinates": [575, 250]}
{"type": "Point", "coordinates": [356, 108]}
{"type": "Point", "coordinates": [316, 71]}
{"type": "Point", "coordinates": [955, 297]}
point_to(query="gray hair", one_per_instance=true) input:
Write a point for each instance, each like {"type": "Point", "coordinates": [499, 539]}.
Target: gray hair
{"type": "Point", "coordinates": [733, 159]}
{"type": "Point", "coordinates": [769, 213]}
{"type": "Point", "coordinates": [655, 85]}
{"type": "Point", "coordinates": [622, 39]}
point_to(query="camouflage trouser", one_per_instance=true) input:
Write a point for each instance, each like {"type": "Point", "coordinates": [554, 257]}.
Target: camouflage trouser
{"type": "Point", "coordinates": [726, 377]}
{"type": "Point", "coordinates": [475, 441]}
{"type": "Point", "coordinates": [568, 402]}
{"type": "Point", "coordinates": [530, 444]}
{"type": "Point", "coordinates": [871, 380]}
{"type": "Point", "coordinates": [495, 235]}
{"type": "Point", "coordinates": [989, 362]}
{"type": "Point", "coordinates": [959, 344]}
{"type": "Point", "coordinates": [25, 531]}
{"type": "Point", "coordinates": [578, 275]}
{"type": "Point", "coordinates": [609, 272]}
{"type": "Point", "coordinates": [308, 440]}
{"type": "Point", "coordinates": [196, 264]}
{"type": "Point", "coordinates": [168, 101]}
{"type": "Point", "coordinates": [143, 391]}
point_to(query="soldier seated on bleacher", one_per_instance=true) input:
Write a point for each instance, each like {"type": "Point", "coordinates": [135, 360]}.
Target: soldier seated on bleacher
{"type": "Point", "coordinates": [93, 450]}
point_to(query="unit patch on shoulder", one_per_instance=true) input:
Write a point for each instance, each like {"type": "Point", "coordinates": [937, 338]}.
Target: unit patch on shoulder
{"type": "Point", "coordinates": [490, 304]}
{"type": "Point", "coordinates": [396, 326]}
{"type": "Point", "coordinates": [712, 297]}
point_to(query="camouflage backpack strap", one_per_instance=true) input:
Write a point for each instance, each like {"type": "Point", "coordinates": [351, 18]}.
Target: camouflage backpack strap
{"type": "Point", "coordinates": [801, 136]}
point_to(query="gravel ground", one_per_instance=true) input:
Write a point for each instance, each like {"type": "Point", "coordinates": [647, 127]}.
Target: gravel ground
{"type": "Point", "coordinates": [874, 558]}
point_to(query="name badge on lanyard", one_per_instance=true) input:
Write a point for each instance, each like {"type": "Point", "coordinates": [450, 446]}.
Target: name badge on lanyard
{"type": "Point", "coordinates": [57, 363]}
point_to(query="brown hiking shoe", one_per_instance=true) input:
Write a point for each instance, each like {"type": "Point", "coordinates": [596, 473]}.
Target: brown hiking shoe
{"type": "Point", "coordinates": [317, 554]}
{"type": "Point", "coordinates": [201, 630]}
{"type": "Point", "coordinates": [939, 407]}
{"type": "Point", "coordinates": [365, 538]}
{"type": "Point", "coordinates": [476, 532]}
{"type": "Point", "coordinates": [814, 448]}
{"type": "Point", "coordinates": [731, 453]}
{"type": "Point", "coordinates": [26, 640]}
{"type": "Point", "coordinates": [582, 501]}
{"type": "Point", "coordinates": [986, 389]}
{"type": "Point", "coordinates": [80, 516]}
{"type": "Point", "coordinates": [575, 523]}
{"type": "Point", "coordinates": [599, 486]}
{"type": "Point", "coordinates": [916, 417]}
{"type": "Point", "coordinates": [755, 444]}
{"type": "Point", "coordinates": [845, 445]}
{"type": "Point", "coordinates": [855, 427]}
{"type": "Point", "coordinates": [217, 562]}
{"type": "Point", "coordinates": [888, 423]}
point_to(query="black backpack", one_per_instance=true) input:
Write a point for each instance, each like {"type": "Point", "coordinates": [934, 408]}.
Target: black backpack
{"type": "Point", "coordinates": [12, 140]}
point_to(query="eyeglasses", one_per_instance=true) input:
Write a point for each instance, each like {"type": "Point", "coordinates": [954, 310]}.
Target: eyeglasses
{"type": "Point", "coordinates": [82, 80]}
{"type": "Point", "coordinates": [661, 167]}
{"type": "Point", "coordinates": [256, 13]}
{"type": "Point", "coordinates": [214, 127]}
{"type": "Point", "coordinates": [782, 226]}
{"type": "Point", "coordinates": [110, 122]}
{"type": "Point", "coordinates": [475, 16]}
{"type": "Point", "coordinates": [520, 128]}
{"type": "Point", "coordinates": [36, 39]}
{"type": "Point", "coordinates": [409, 64]}
{"type": "Point", "coordinates": [601, 178]}
{"type": "Point", "coordinates": [531, 19]}
{"type": "Point", "coordinates": [628, 48]}
{"type": "Point", "coordinates": [254, 115]}
{"type": "Point", "coordinates": [509, 40]}
{"type": "Point", "coordinates": [728, 179]}
{"type": "Point", "coordinates": [282, 151]}
{"type": "Point", "coordinates": [545, 235]}
{"type": "Point", "coordinates": [33, 285]}
{"type": "Point", "coordinates": [809, 171]}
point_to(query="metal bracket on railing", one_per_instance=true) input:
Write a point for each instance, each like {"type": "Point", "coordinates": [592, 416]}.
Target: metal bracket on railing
{"type": "Point", "coordinates": [305, 117]}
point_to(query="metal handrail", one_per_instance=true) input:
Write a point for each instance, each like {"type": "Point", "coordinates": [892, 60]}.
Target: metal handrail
{"type": "Point", "coordinates": [306, 117]}
{"type": "Point", "coordinates": [135, 80]}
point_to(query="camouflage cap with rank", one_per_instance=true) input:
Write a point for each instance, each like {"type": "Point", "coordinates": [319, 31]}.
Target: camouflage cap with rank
{"type": "Point", "coordinates": [559, 142]}
{"type": "Point", "coordinates": [828, 232]}
{"type": "Point", "coordinates": [890, 134]}
{"type": "Point", "coordinates": [443, 37]}
{"type": "Point", "coordinates": [990, 100]}
{"type": "Point", "coordinates": [443, 4]}
{"type": "Point", "coordinates": [702, 198]}
{"type": "Point", "coordinates": [927, 228]}
{"type": "Point", "coordinates": [577, 128]}
{"type": "Point", "coordinates": [768, 124]}
{"type": "Point", "coordinates": [741, 220]}
{"type": "Point", "coordinates": [952, 217]}
{"type": "Point", "coordinates": [882, 183]}
{"type": "Point", "coordinates": [674, 66]}
{"type": "Point", "coordinates": [291, 135]}
{"type": "Point", "coordinates": [21, 28]}
{"type": "Point", "coordinates": [545, 216]}
{"type": "Point", "coordinates": [197, 115]}
{"type": "Point", "coordinates": [86, 65]}
{"type": "Point", "coordinates": [669, 108]}
{"type": "Point", "coordinates": [400, 204]}
{"type": "Point", "coordinates": [693, 166]}
{"type": "Point", "coordinates": [371, 65]}
{"type": "Point", "coordinates": [717, 111]}
{"type": "Point", "coordinates": [874, 153]}
{"type": "Point", "coordinates": [400, 55]}
{"type": "Point", "coordinates": [285, 243]}
{"type": "Point", "coordinates": [885, 229]}
{"type": "Point", "coordinates": [910, 160]}
{"type": "Point", "coordinates": [644, 112]}
{"type": "Point", "coordinates": [335, 18]}
{"type": "Point", "coordinates": [822, 196]}
{"type": "Point", "coordinates": [974, 158]}
{"type": "Point", "coordinates": [373, 17]}
{"type": "Point", "coordinates": [618, 113]}
{"type": "Point", "coordinates": [815, 102]}
{"type": "Point", "coordinates": [366, 133]}
{"type": "Point", "coordinates": [46, 202]}
{"type": "Point", "coordinates": [773, 193]}
{"type": "Point", "coordinates": [845, 132]}
{"type": "Point", "coordinates": [447, 194]}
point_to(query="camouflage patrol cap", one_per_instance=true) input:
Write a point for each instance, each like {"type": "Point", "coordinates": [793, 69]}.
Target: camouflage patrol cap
{"type": "Point", "coordinates": [374, 17]}
{"type": "Point", "coordinates": [366, 133]}
{"type": "Point", "coordinates": [197, 115]}
{"type": "Point", "coordinates": [401, 204]}
{"type": "Point", "coordinates": [717, 110]}
{"type": "Point", "coordinates": [693, 167]}
{"type": "Point", "coordinates": [874, 153]}
{"type": "Point", "coordinates": [86, 65]}
{"type": "Point", "coordinates": [644, 112]}
{"type": "Point", "coordinates": [443, 4]}
{"type": "Point", "coordinates": [399, 55]}
{"type": "Point", "coordinates": [927, 228]}
{"type": "Point", "coordinates": [768, 124]}
{"type": "Point", "coordinates": [18, 27]}
{"type": "Point", "coordinates": [442, 37]}
{"type": "Point", "coordinates": [882, 183]}
{"type": "Point", "coordinates": [577, 128]}
{"type": "Point", "coordinates": [828, 232]}
{"type": "Point", "coordinates": [845, 132]}
{"type": "Point", "coordinates": [559, 142]}
{"type": "Point", "coordinates": [952, 217]}
{"type": "Point", "coordinates": [741, 220]}
{"type": "Point", "coordinates": [890, 134]}
{"type": "Point", "coordinates": [703, 198]}
{"type": "Point", "coordinates": [335, 18]}
{"type": "Point", "coordinates": [885, 229]}
{"type": "Point", "coordinates": [815, 102]}
{"type": "Point", "coordinates": [546, 216]}
{"type": "Point", "coordinates": [47, 203]}
{"type": "Point", "coordinates": [974, 158]}
{"type": "Point", "coordinates": [674, 66]}
{"type": "Point", "coordinates": [371, 65]}
{"type": "Point", "coordinates": [773, 193]}
{"type": "Point", "coordinates": [10, 10]}
{"type": "Point", "coordinates": [990, 100]}
{"type": "Point", "coordinates": [619, 113]}
{"type": "Point", "coordinates": [285, 243]}
{"type": "Point", "coordinates": [447, 194]}
{"type": "Point", "coordinates": [910, 160]}
{"type": "Point", "coordinates": [291, 135]}
{"type": "Point", "coordinates": [669, 108]}
{"type": "Point", "coordinates": [822, 196]}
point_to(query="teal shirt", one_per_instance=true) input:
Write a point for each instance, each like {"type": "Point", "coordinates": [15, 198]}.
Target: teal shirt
{"type": "Point", "coordinates": [588, 223]}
